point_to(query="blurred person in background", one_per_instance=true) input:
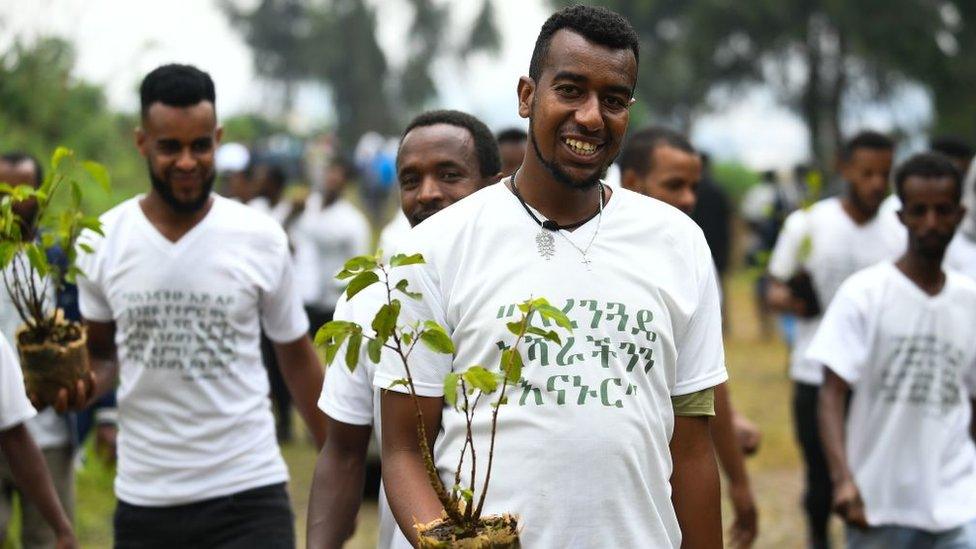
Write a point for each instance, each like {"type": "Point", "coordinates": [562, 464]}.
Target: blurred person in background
{"type": "Point", "coordinates": [662, 163]}
{"type": "Point", "coordinates": [511, 146]}
{"type": "Point", "coordinates": [232, 163]}
{"type": "Point", "coordinates": [764, 208]}
{"type": "Point", "coordinates": [961, 254]}
{"type": "Point", "coordinates": [55, 434]}
{"type": "Point", "coordinates": [897, 345]}
{"type": "Point", "coordinates": [444, 156]}
{"type": "Point", "coordinates": [957, 150]}
{"type": "Point", "coordinates": [713, 214]}
{"type": "Point", "coordinates": [817, 249]}
{"type": "Point", "coordinates": [332, 230]}
{"type": "Point", "coordinates": [174, 298]}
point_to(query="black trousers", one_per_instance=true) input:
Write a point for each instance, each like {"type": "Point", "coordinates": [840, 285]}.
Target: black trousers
{"type": "Point", "coordinates": [819, 492]}
{"type": "Point", "coordinates": [260, 517]}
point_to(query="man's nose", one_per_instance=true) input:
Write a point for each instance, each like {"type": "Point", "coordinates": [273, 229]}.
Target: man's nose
{"type": "Point", "coordinates": [588, 115]}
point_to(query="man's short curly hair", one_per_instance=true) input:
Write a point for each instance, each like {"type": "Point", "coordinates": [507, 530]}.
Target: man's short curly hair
{"type": "Point", "coordinates": [638, 153]}
{"type": "Point", "coordinates": [489, 159]}
{"type": "Point", "coordinates": [597, 24]}
{"type": "Point", "coordinates": [927, 165]}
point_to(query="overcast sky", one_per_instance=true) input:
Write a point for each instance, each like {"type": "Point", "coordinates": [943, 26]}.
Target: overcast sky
{"type": "Point", "coordinates": [118, 41]}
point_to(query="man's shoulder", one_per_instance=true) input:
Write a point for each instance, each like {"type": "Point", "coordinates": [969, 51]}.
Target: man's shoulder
{"type": "Point", "coordinates": [462, 213]}
{"type": "Point", "coordinates": [243, 220]}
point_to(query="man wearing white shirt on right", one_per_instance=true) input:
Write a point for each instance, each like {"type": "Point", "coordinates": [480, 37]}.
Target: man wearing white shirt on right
{"type": "Point", "coordinates": [817, 249]}
{"type": "Point", "coordinates": [898, 337]}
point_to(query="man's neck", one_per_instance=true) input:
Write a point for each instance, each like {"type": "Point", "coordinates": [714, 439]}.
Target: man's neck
{"type": "Point", "coordinates": [553, 199]}
{"type": "Point", "coordinates": [172, 224]}
{"type": "Point", "coordinates": [926, 272]}
{"type": "Point", "coordinates": [857, 215]}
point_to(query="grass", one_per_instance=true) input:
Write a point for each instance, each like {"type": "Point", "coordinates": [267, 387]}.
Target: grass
{"type": "Point", "coordinates": [760, 389]}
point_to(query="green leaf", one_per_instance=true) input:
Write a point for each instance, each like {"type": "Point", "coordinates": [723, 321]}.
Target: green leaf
{"type": "Point", "coordinates": [352, 350]}
{"type": "Point", "coordinates": [401, 260]}
{"type": "Point", "coordinates": [450, 389]}
{"type": "Point", "coordinates": [548, 335]}
{"type": "Point", "coordinates": [374, 349]}
{"type": "Point", "coordinates": [38, 260]}
{"type": "Point", "coordinates": [385, 320]}
{"type": "Point", "coordinates": [360, 263]}
{"type": "Point", "coordinates": [8, 249]}
{"type": "Point", "coordinates": [512, 364]}
{"type": "Point", "coordinates": [99, 173]}
{"type": "Point", "coordinates": [436, 339]}
{"type": "Point", "coordinates": [361, 282]}
{"type": "Point", "coordinates": [59, 155]}
{"type": "Point", "coordinates": [551, 313]}
{"type": "Point", "coordinates": [466, 493]}
{"type": "Point", "coordinates": [397, 382]}
{"type": "Point", "coordinates": [86, 248]}
{"type": "Point", "coordinates": [514, 327]}
{"type": "Point", "coordinates": [402, 287]}
{"type": "Point", "coordinates": [407, 338]}
{"type": "Point", "coordinates": [481, 379]}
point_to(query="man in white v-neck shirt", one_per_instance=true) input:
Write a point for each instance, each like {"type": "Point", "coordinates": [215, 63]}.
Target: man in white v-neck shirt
{"type": "Point", "coordinates": [818, 248]}
{"type": "Point", "coordinates": [174, 298]}
{"type": "Point", "coordinates": [897, 341]}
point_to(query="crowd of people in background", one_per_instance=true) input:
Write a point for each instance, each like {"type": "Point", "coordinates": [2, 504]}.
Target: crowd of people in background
{"type": "Point", "coordinates": [870, 279]}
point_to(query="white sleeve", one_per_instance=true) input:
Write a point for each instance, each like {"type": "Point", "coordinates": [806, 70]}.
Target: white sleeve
{"type": "Point", "coordinates": [841, 342]}
{"type": "Point", "coordinates": [428, 368]}
{"type": "Point", "coordinates": [784, 261]}
{"type": "Point", "coordinates": [91, 297]}
{"type": "Point", "coordinates": [701, 357]}
{"type": "Point", "coordinates": [282, 315]}
{"type": "Point", "coordinates": [348, 396]}
{"type": "Point", "coordinates": [361, 236]}
{"type": "Point", "coordinates": [970, 381]}
{"type": "Point", "coordinates": [14, 406]}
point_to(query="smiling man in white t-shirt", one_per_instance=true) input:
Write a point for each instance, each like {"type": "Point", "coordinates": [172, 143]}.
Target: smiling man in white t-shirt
{"type": "Point", "coordinates": [817, 249]}
{"type": "Point", "coordinates": [899, 336]}
{"type": "Point", "coordinates": [444, 156]}
{"type": "Point", "coordinates": [605, 439]}
{"type": "Point", "coordinates": [174, 297]}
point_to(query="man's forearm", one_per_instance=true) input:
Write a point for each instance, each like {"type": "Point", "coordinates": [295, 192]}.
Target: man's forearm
{"type": "Point", "coordinates": [831, 407]}
{"type": "Point", "coordinates": [695, 490]}
{"type": "Point", "coordinates": [303, 375]}
{"type": "Point", "coordinates": [337, 486]}
{"type": "Point", "coordinates": [27, 466]}
{"type": "Point", "coordinates": [727, 448]}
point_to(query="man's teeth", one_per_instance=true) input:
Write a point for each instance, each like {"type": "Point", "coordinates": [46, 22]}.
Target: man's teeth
{"type": "Point", "coordinates": [580, 146]}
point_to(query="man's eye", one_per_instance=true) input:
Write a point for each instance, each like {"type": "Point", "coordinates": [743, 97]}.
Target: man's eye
{"type": "Point", "coordinates": [202, 146]}
{"type": "Point", "coordinates": [568, 90]}
{"type": "Point", "coordinates": [450, 176]}
{"type": "Point", "coordinates": [615, 103]}
{"type": "Point", "coordinates": [408, 181]}
{"type": "Point", "coordinates": [168, 147]}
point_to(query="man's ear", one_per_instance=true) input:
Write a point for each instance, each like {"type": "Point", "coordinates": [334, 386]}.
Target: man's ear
{"type": "Point", "coordinates": [218, 136]}
{"type": "Point", "coordinates": [526, 90]}
{"type": "Point", "coordinates": [142, 141]}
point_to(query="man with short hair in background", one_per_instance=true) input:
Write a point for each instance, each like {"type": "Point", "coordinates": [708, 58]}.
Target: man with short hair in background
{"type": "Point", "coordinates": [818, 248]}
{"type": "Point", "coordinates": [511, 147]}
{"type": "Point", "coordinates": [897, 344]}
{"type": "Point", "coordinates": [444, 156]}
{"type": "Point", "coordinates": [174, 299]}
{"type": "Point", "coordinates": [663, 164]}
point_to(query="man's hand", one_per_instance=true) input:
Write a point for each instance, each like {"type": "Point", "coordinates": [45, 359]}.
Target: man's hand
{"type": "Point", "coordinates": [77, 398]}
{"type": "Point", "coordinates": [745, 527]}
{"type": "Point", "coordinates": [105, 442]}
{"type": "Point", "coordinates": [849, 505]}
{"type": "Point", "coordinates": [780, 298]}
{"type": "Point", "coordinates": [66, 540]}
{"type": "Point", "coordinates": [747, 434]}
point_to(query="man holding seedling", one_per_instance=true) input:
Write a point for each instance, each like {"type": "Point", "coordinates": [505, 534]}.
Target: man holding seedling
{"type": "Point", "coordinates": [598, 425]}
{"type": "Point", "coordinates": [444, 156]}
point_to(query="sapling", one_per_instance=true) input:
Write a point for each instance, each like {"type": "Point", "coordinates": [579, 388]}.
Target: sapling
{"type": "Point", "coordinates": [52, 350]}
{"type": "Point", "coordinates": [463, 524]}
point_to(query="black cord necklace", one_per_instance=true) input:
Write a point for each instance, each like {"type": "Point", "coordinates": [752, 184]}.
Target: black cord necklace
{"type": "Point", "coordinates": [549, 224]}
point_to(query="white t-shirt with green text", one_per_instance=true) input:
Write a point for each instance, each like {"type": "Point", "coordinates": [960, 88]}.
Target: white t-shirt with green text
{"type": "Point", "coordinates": [582, 452]}
{"type": "Point", "coordinates": [14, 406]}
{"type": "Point", "coordinates": [195, 420]}
{"type": "Point", "coordinates": [910, 359]}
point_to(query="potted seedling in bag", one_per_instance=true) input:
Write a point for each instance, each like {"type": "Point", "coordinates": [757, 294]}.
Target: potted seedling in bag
{"type": "Point", "coordinates": [463, 524]}
{"type": "Point", "coordinates": [52, 350]}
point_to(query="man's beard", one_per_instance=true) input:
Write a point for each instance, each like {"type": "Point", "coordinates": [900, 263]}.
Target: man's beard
{"type": "Point", "coordinates": [165, 191]}
{"type": "Point", "coordinates": [558, 174]}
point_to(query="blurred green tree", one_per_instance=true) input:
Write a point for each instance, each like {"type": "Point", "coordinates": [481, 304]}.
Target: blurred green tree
{"type": "Point", "coordinates": [334, 43]}
{"type": "Point", "coordinates": [42, 106]}
{"type": "Point", "coordinates": [819, 57]}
